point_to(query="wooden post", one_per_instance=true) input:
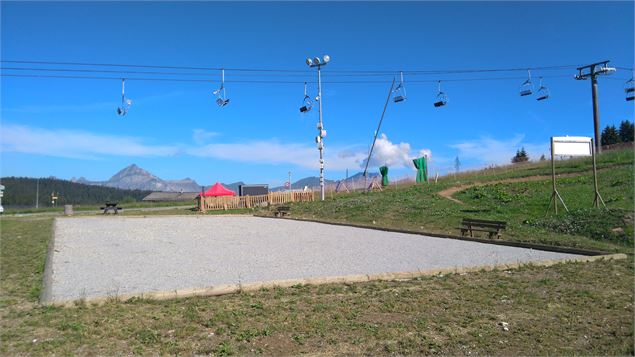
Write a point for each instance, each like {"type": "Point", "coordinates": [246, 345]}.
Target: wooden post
{"type": "Point", "coordinates": [598, 198]}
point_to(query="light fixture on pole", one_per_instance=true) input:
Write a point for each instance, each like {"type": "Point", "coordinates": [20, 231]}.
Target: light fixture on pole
{"type": "Point", "coordinates": [319, 62]}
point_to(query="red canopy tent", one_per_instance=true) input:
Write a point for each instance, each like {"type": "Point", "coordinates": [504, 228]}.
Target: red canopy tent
{"type": "Point", "coordinates": [218, 190]}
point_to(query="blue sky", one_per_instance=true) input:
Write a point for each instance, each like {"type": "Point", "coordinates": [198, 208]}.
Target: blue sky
{"type": "Point", "coordinates": [68, 127]}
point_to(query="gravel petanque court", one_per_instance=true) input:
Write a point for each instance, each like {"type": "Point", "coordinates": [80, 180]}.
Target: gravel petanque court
{"type": "Point", "coordinates": [98, 257]}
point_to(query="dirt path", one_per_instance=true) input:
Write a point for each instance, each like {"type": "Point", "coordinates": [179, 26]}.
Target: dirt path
{"type": "Point", "coordinates": [448, 192]}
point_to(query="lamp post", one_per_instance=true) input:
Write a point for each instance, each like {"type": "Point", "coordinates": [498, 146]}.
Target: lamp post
{"type": "Point", "coordinates": [317, 62]}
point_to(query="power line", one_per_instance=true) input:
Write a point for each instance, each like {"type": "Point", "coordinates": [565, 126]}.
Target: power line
{"type": "Point", "coordinates": [353, 72]}
{"type": "Point", "coordinates": [201, 80]}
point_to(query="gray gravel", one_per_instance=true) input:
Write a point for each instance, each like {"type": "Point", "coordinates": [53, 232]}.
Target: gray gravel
{"type": "Point", "coordinates": [109, 256]}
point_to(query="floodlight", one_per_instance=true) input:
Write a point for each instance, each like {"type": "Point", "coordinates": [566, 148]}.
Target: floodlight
{"type": "Point", "coordinates": [316, 60]}
{"type": "Point", "coordinates": [326, 58]}
{"type": "Point", "coordinates": [309, 61]}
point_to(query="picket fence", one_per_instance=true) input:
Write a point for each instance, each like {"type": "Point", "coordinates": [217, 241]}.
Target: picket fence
{"type": "Point", "coordinates": [234, 202]}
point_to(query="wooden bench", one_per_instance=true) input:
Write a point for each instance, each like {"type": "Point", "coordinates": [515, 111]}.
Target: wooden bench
{"type": "Point", "coordinates": [493, 228]}
{"type": "Point", "coordinates": [110, 206]}
{"type": "Point", "coordinates": [281, 211]}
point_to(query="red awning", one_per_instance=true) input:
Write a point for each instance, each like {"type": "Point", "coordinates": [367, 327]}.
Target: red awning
{"type": "Point", "coordinates": [218, 190]}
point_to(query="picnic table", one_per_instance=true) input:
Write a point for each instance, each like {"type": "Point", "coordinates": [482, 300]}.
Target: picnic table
{"type": "Point", "coordinates": [111, 207]}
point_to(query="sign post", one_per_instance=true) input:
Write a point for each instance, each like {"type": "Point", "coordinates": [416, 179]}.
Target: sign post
{"type": "Point", "coordinates": [572, 146]}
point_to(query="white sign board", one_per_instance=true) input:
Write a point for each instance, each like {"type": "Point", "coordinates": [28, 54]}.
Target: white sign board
{"type": "Point", "coordinates": [571, 145]}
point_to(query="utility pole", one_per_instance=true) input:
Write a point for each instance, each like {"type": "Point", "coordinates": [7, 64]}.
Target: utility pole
{"type": "Point", "coordinates": [595, 69]}
{"type": "Point", "coordinates": [370, 152]}
{"type": "Point", "coordinates": [289, 180]}
{"type": "Point", "coordinates": [319, 62]}
{"type": "Point", "coordinates": [37, 193]}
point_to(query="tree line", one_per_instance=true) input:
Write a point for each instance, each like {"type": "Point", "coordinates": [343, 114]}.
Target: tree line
{"type": "Point", "coordinates": [611, 135]}
{"type": "Point", "coordinates": [22, 191]}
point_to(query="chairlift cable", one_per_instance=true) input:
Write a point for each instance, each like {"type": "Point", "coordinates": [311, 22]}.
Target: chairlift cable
{"type": "Point", "coordinates": [387, 72]}
{"type": "Point", "coordinates": [272, 81]}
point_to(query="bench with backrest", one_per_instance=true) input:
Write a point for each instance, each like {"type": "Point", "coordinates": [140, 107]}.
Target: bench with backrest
{"type": "Point", "coordinates": [493, 228]}
{"type": "Point", "coordinates": [281, 211]}
{"type": "Point", "coordinates": [110, 206]}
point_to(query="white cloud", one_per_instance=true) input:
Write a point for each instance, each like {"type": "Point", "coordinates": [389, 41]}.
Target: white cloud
{"type": "Point", "coordinates": [86, 145]}
{"type": "Point", "coordinates": [201, 136]}
{"type": "Point", "coordinates": [275, 152]}
{"type": "Point", "coordinates": [492, 151]}
{"type": "Point", "coordinates": [76, 144]}
{"type": "Point", "coordinates": [393, 155]}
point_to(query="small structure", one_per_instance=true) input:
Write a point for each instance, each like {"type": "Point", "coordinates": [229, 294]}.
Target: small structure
{"type": "Point", "coordinates": [1, 195]}
{"type": "Point", "coordinates": [218, 190]}
{"type": "Point", "coordinates": [572, 146]}
{"type": "Point", "coordinates": [253, 190]}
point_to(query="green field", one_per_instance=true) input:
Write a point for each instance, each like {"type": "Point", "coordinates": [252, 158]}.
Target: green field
{"type": "Point", "coordinates": [565, 309]}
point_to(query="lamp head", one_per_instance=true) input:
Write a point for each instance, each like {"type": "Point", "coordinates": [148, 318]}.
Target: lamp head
{"type": "Point", "coordinates": [309, 62]}
{"type": "Point", "coordinates": [326, 59]}
{"type": "Point", "coordinates": [316, 60]}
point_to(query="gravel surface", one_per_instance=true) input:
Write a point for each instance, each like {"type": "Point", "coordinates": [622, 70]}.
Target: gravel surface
{"type": "Point", "coordinates": [109, 256]}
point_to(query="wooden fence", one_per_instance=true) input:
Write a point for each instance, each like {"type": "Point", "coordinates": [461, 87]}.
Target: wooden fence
{"type": "Point", "coordinates": [233, 202]}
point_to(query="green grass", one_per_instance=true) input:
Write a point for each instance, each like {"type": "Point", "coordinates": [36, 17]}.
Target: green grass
{"type": "Point", "coordinates": [572, 308]}
{"type": "Point", "coordinates": [522, 204]}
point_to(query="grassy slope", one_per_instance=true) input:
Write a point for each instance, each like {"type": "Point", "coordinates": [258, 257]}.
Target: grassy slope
{"type": "Point", "coordinates": [523, 204]}
{"type": "Point", "coordinates": [574, 308]}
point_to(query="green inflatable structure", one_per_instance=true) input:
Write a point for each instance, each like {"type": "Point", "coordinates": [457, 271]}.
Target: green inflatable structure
{"type": "Point", "coordinates": [422, 169]}
{"type": "Point", "coordinates": [384, 175]}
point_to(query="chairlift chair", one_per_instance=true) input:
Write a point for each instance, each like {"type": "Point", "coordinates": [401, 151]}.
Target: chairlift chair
{"type": "Point", "coordinates": [527, 88]}
{"type": "Point", "coordinates": [221, 96]}
{"type": "Point", "coordinates": [629, 89]}
{"type": "Point", "coordinates": [442, 98]}
{"type": "Point", "coordinates": [399, 94]}
{"type": "Point", "coordinates": [125, 102]}
{"type": "Point", "coordinates": [543, 92]}
{"type": "Point", "coordinates": [307, 103]}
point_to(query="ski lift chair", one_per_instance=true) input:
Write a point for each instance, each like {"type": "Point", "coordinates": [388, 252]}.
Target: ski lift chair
{"type": "Point", "coordinates": [442, 98]}
{"type": "Point", "coordinates": [527, 87]}
{"type": "Point", "coordinates": [125, 102]}
{"type": "Point", "coordinates": [221, 96]}
{"type": "Point", "coordinates": [307, 103]}
{"type": "Point", "coordinates": [629, 89]}
{"type": "Point", "coordinates": [399, 94]}
{"type": "Point", "coordinates": [543, 92]}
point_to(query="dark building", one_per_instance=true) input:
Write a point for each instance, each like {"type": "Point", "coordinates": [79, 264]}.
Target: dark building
{"type": "Point", "coordinates": [253, 190]}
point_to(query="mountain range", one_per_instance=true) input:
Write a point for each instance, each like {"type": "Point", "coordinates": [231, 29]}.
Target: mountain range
{"type": "Point", "coordinates": [135, 178]}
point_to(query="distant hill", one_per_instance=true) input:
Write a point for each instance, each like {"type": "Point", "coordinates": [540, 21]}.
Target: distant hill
{"type": "Point", "coordinates": [353, 182]}
{"type": "Point", "coordinates": [135, 178]}
{"type": "Point", "coordinates": [21, 192]}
